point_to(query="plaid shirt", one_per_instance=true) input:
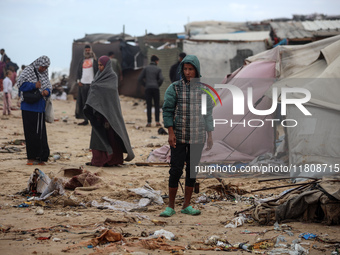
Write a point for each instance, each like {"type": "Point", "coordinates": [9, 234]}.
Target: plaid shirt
{"type": "Point", "coordinates": [182, 111]}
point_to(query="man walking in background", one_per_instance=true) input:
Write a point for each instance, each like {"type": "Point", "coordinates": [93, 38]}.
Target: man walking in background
{"type": "Point", "coordinates": [174, 69]}
{"type": "Point", "coordinates": [116, 65]}
{"type": "Point", "coordinates": [151, 78]}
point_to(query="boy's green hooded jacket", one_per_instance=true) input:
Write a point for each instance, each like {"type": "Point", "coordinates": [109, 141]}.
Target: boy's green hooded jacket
{"type": "Point", "coordinates": [178, 113]}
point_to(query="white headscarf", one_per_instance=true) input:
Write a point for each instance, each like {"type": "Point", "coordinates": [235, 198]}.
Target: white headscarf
{"type": "Point", "coordinates": [28, 74]}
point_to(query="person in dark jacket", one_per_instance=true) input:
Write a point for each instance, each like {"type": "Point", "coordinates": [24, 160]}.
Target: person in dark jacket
{"type": "Point", "coordinates": [152, 78]}
{"type": "Point", "coordinates": [174, 72]}
{"type": "Point", "coordinates": [87, 69]}
{"type": "Point", "coordinates": [4, 56]}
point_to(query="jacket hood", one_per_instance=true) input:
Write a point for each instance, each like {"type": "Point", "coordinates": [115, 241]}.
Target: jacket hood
{"type": "Point", "coordinates": [190, 59]}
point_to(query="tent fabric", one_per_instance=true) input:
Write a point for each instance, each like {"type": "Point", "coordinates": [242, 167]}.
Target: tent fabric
{"type": "Point", "coordinates": [236, 142]}
{"type": "Point", "coordinates": [307, 205]}
{"type": "Point", "coordinates": [314, 144]}
{"type": "Point", "coordinates": [292, 59]}
{"type": "Point", "coordinates": [126, 54]}
{"type": "Point", "coordinates": [132, 58]}
{"type": "Point", "coordinates": [314, 201]}
{"type": "Point", "coordinates": [315, 141]}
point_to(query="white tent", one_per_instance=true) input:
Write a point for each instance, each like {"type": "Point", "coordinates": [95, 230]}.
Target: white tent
{"type": "Point", "coordinates": [314, 143]}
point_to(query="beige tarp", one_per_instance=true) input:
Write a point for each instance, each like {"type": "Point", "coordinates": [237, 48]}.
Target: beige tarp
{"type": "Point", "coordinates": [314, 144]}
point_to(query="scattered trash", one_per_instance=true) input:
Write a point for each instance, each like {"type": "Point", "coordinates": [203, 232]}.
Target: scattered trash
{"type": "Point", "coordinates": [116, 205]}
{"type": "Point", "coordinates": [124, 220]}
{"type": "Point", "coordinates": [38, 182]}
{"type": "Point", "coordinates": [277, 226]}
{"type": "Point", "coordinates": [252, 232]}
{"type": "Point", "coordinates": [236, 222]}
{"type": "Point", "coordinates": [168, 235]}
{"type": "Point", "coordinates": [307, 236]}
{"type": "Point", "coordinates": [18, 142]}
{"type": "Point", "coordinates": [25, 204]}
{"type": "Point", "coordinates": [280, 239]}
{"type": "Point", "coordinates": [227, 191]}
{"type": "Point", "coordinates": [161, 154]}
{"type": "Point", "coordinates": [202, 199]}
{"type": "Point", "coordinates": [162, 131]}
{"type": "Point", "coordinates": [10, 149]}
{"type": "Point", "coordinates": [244, 246]}
{"type": "Point", "coordinates": [144, 202]}
{"type": "Point", "coordinates": [85, 179]}
{"type": "Point", "coordinates": [39, 211]}
{"type": "Point", "coordinates": [107, 236]}
{"type": "Point", "coordinates": [298, 248]}
{"type": "Point", "coordinates": [64, 118]}
{"type": "Point", "coordinates": [212, 240]}
{"type": "Point", "coordinates": [147, 191]}
{"type": "Point", "coordinates": [296, 241]}
{"type": "Point", "coordinates": [43, 238]}
{"type": "Point", "coordinates": [56, 157]}
{"type": "Point", "coordinates": [70, 172]}
{"type": "Point", "coordinates": [68, 214]}
{"type": "Point", "coordinates": [302, 202]}
{"type": "Point", "coordinates": [290, 233]}
{"type": "Point", "coordinates": [71, 202]}
{"type": "Point", "coordinates": [55, 186]}
{"type": "Point", "coordinates": [151, 145]}
{"type": "Point", "coordinates": [159, 222]}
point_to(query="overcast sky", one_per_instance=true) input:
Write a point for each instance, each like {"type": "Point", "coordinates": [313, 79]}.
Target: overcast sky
{"type": "Point", "coordinates": [31, 28]}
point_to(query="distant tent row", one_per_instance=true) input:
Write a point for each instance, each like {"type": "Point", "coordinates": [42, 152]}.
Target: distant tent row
{"type": "Point", "coordinates": [101, 44]}
{"type": "Point", "coordinates": [133, 54]}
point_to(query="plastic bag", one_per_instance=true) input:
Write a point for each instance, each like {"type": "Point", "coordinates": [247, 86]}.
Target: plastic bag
{"type": "Point", "coordinates": [147, 191]}
{"type": "Point", "coordinates": [38, 181]}
{"type": "Point", "coordinates": [168, 235]}
{"type": "Point", "coordinates": [49, 111]}
{"type": "Point", "coordinates": [236, 222]}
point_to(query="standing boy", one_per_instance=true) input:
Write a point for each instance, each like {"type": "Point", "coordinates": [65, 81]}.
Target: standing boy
{"type": "Point", "coordinates": [187, 131]}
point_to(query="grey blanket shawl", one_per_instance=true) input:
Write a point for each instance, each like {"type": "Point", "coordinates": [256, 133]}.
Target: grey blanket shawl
{"type": "Point", "coordinates": [103, 98]}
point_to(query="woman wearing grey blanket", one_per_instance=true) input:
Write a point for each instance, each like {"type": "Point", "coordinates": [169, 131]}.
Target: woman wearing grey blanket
{"type": "Point", "coordinates": [109, 138]}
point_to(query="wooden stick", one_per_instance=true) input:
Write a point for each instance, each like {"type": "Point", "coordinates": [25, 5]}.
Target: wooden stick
{"type": "Point", "coordinates": [152, 164]}
{"type": "Point", "coordinates": [221, 181]}
{"type": "Point", "coordinates": [284, 178]}
{"type": "Point", "coordinates": [283, 186]}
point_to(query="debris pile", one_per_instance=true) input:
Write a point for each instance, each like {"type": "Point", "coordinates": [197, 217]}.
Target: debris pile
{"type": "Point", "coordinates": [312, 201]}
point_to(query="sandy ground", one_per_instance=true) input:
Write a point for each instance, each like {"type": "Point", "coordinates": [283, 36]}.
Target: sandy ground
{"type": "Point", "coordinates": [66, 226]}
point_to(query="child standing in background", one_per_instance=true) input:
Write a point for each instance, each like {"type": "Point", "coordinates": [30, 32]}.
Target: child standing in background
{"type": "Point", "coordinates": [7, 83]}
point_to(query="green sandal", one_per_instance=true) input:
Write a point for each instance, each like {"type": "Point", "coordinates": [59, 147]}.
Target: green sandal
{"type": "Point", "coordinates": [191, 211]}
{"type": "Point", "coordinates": [168, 212]}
